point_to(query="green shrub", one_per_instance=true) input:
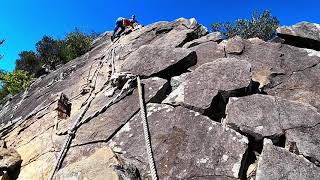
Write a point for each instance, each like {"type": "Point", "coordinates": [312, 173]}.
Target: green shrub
{"type": "Point", "coordinates": [52, 52]}
{"type": "Point", "coordinates": [28, 61]}
{"type": "Point", "coordinates": [262, 26]}
{"type": "Point", "coordinates": [75, 44]}
{"type": "Point", "coordinates": [15, 82]}
{"type": "Point", "coordinates": [48, 50]}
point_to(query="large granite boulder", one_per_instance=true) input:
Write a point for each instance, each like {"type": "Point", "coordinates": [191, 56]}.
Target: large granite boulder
{"type": "Point", "coordinates": [201, 86]}
{"type": "Point", "coordinates": [106, 124]}
{"type": "Point", "coordinates": [283, 70]}
{"type": "Point", "coordinates": [234, 45]}
{"type": "Point", "coordinates": [278, 163]}
{"type": "Point", "coordinates": [151, 60]}
{"type": "Point", "coordinates": [186, 145]}
{"type": "Point", "coordinates": [266, 116]}
{"type": "Point", "coordinates": [207, 52]}
{"type": "Point", "coordinates": [303, 34]}
{"type": "Point", "coordinates": [175, 38]}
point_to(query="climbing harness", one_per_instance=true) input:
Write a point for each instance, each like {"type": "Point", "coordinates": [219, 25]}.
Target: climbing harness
{"type": "Point", "coordinates": [146, 132]}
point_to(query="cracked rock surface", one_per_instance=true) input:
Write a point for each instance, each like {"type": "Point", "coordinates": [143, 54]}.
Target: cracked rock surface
{"type": "Point", "coordinates": [185, 144]}
{"type": "Point", "coordinates": [277, 163]}
{"type": "Point", "coordinates": [210, 105]}
{"type": "Point", "coordinates": [203, 84]}
{"type": "Point", "coordinates": [303, 34]}
{"type": "Point", "coordinates": [264, 116]}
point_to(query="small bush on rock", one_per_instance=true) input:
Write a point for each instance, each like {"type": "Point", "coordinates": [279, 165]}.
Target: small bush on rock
{"type": "Point", "coordinates": [262, 26]}
{"type": "Point", "coordinates": [14, 82]}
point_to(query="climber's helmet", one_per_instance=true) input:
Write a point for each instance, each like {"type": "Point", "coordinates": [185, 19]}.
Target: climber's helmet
{"type": "Point", "coordinates": [133, 17]}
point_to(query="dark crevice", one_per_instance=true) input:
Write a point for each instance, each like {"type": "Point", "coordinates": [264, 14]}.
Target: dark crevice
{"type": "Point", "coordinates": [178, 68]}
{"type": "Point", "coordinates": [217, 110]}
{"type": "Point", "coordinates": [313, 160]}
{"type": "Point", "coordinates": [163, 30]}
{"type": "Point", "coordinates": [162, 93]}
{"type": "Point", "coordinates": [300, 42]}
{"type": "Point", "coordinates": [279, 141]}
{"type": "Point", "coordinates": [190, 37]}
{"type": "Point", "coordinates": [254, 148]}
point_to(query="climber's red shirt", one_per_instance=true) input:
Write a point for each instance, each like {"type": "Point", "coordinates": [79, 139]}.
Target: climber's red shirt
{"type": "Point", "coordinates": [127, 22]}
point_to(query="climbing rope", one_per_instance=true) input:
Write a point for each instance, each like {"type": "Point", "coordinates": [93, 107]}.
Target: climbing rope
{"type": "Point", "coordinates": [146, 132]}
{"type": "Point", "coordinates": [77, 123]}
{"type": "Point", "coordinates": [127, 88]}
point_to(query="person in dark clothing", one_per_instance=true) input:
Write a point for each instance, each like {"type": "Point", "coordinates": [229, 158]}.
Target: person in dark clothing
{"type": "Point", "coordinates": [122, 24]}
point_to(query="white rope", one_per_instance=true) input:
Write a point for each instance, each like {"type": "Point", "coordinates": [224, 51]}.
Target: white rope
{"type": "Point", "coordinates": [146, 132]}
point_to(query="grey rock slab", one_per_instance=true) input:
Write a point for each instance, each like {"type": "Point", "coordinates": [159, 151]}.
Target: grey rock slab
{"type": "Point", "coordinates": [256, 115]}
{"type": "Point", "coordinates": [295, 114]}
{"type": "Point", "coordinates": [102, 127]}
{"type": "Point", "coordinates": [214, 36]}
{"type": "Point", "coordinates": [282, 70]}
{"type": "Point", "coordinates": [185, 145]}
{"type": "Point", "coordinates": [235, 45]}
{"type": "Point", "coordinates": [152, 60]}
{"type": "Point", "coordinates": [278, 163]}
{"type": "Point", "coordinates": [303, 34]}
{"type": "Point", "coordinates": [267, 116]}
{"type": "Point", "coordinates": [175, 38]}
{"type": "Point", "coordinates": [204, 83]}
{"type": "Point", "coordinates": [307, 141]}
{"type": "Point", "coordinates": [303, 86]}
{"type": "Point", "coordinates": [207, 52]}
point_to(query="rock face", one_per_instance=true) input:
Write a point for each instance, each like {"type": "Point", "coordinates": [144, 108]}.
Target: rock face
{"type": "Point", "coordinates": [303, 34]}
{"type": "Point", "coordinates": [204, 84]}
{"type": "Point", "coordinates": [151, 60]}
{"type": "Point", "coordinates": [215, 37]}
{"type": "Point", "coordinates": [186, 144]}
{"type": "Point", "coordinates": [207, 52]}
{"type": "Point", "coordinates": [210, 105]}
{"type": "Point", "coordinates": [277, 163]}
{"type": "Point", "coordinates": [234, 45]}
{"type": "Point", "coordinates": [264, 116]}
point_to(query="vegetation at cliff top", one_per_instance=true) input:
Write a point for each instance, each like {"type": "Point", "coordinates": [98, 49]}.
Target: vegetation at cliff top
{"type": "Point", "coordinates": [261, 25]}
{"type": "Point", "coordinates": [49, 54]}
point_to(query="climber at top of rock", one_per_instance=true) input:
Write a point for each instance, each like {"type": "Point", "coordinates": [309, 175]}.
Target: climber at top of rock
{"type": "Point", "coordinates": [122, 24]}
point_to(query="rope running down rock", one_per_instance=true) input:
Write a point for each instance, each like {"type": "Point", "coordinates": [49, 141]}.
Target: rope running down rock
{"type": "Point", "coordinates": [74, 127]}
{"type": "Point", "coordinates": [146, 132]}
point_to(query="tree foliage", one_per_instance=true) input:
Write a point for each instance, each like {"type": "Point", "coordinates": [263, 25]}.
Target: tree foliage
{"type": "Point", "coordinates": [49, 51]}
{"type": "Point", "coordinates": [262, 26]}
{"type": "Point", "coordinates": [14, 82]}
{"type": "Point", "coordinates": [75, 44]}
{"type": "Point", "coordinates": [28, 61]}
{"type": "Point", "coordinates": [52, 52]}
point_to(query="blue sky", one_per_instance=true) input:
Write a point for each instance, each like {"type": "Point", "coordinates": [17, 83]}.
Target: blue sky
{"type": "Point", "coordinates": [24, 22]}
